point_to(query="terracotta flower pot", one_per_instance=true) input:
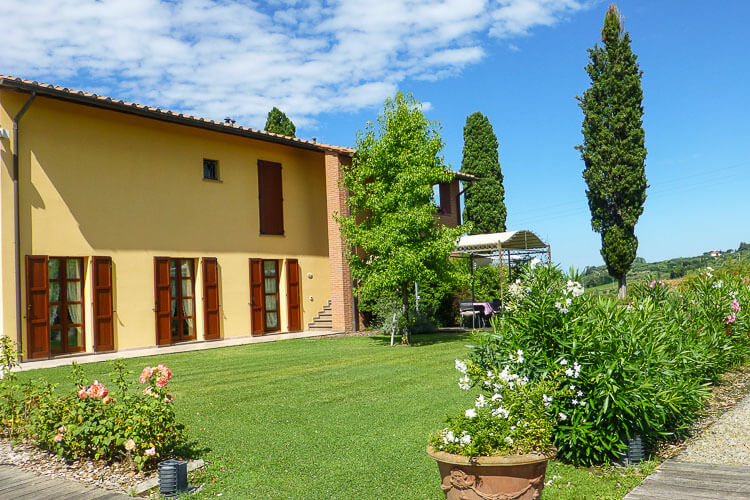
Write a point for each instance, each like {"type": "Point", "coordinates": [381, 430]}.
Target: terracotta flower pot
{"type": "Point", "coordinates": [517, 477]}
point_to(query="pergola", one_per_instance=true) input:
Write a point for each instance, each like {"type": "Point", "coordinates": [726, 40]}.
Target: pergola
{"type": "Point", "coordinates": [507, 246]}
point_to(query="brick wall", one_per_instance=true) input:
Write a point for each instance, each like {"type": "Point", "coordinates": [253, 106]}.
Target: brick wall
{"type": "Point", "coordinates": [342, 304]}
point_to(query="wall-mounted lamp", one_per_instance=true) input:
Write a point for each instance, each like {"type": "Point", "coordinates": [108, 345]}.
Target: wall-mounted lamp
{"type": "Point", "coordinates": [311, 299]}
{"type": "Point", "coordinates": [4, 134]}
{"type": "Point", "coordinates": [309, 275]}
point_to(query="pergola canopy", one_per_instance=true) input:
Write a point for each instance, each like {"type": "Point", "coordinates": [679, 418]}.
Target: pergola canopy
{"type": "Point", "coordinates": [509, 240]}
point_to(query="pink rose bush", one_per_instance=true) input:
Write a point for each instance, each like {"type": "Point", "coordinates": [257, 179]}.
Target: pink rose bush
{"type": "Point", "coordinates": [98, 422]}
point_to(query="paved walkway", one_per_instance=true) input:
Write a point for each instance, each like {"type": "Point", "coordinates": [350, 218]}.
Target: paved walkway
{"type": "Point", "coordinates": [714, 466]}
{"type": "Point", "coordinates": [16, 484]}
{"type": "Point", "coordinates": [675, 480]}
{"type": "Point", "coordinates": [183, 347]}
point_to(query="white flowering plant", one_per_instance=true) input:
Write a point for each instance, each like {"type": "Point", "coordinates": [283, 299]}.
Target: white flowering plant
{"type": "Point", "coordinates": [510, 415]}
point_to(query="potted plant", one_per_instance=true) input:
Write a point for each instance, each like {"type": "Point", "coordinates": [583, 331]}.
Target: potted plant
{"type": "Point", "coordinates": [498, 449]}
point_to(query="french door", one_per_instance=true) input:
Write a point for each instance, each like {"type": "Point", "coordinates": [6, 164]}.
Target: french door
{"type": "Point", "coordinates": [65, 285]}
{"type": "Point", "coordinates": [264, 296]}
{"type": "Point", "coordinates": [174, 303]}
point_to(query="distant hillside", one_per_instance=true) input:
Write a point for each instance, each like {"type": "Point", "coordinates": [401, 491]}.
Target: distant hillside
{"type": "Point", "coordinates": [594, 276]}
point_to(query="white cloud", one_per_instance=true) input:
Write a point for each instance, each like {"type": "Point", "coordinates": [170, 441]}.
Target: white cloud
{"type": "Point", "coordinates": [241, 57]}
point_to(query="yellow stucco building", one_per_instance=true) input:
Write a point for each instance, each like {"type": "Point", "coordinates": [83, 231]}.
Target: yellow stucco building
{"type": "Point", "coordinates": [125, 226]}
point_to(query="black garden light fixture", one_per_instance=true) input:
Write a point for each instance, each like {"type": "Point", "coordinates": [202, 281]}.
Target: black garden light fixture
{"type": "Point", "coordinates": [635, 452]}
{"type": "Point", "coordinates": [172, 478]}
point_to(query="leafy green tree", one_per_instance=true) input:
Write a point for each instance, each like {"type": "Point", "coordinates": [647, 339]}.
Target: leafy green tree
{"type": "Point", "coordinates": [484, 199]}
{"type": "Point", "coordinates": [395, 238]}
{"type": "Point", "coordinates": [613, 147]}
{"type": "Point", "coordinates": [278, 123]}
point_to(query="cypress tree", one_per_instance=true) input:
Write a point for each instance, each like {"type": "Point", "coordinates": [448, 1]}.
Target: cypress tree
{"type": "Point", "coordinates": [613, 147]}
{"type": "Point", "coordinates": [278, 123]}
{"type": "Point", "coordinates": [484, 199]}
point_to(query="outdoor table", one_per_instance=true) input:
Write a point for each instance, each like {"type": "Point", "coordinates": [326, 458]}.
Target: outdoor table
{"type": "Point", "coordinates": [484, 308]}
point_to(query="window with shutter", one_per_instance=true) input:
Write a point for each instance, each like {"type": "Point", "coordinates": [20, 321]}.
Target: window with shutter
{"type": "Point", "coordinates": [270, 198]}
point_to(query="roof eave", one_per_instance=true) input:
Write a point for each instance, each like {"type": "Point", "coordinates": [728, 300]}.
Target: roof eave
{"type": "Point", "coordinates": [163, 115]}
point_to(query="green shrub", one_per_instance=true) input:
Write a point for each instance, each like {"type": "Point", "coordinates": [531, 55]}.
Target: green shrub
{"type": "Point", "coordinates": [656, 290]}
{"type": "Point", "coordinates": [644, 366]}
{"type": "Point", "coordinates": [94, 422]}
{"type": "Point", "coordinates": [11, 400]}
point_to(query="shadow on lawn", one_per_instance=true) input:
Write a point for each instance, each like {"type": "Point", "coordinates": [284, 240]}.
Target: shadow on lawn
{"type": "Point", "coordinates": [191, 450]}
{"type": "Point", "coordinates": [423, 339]}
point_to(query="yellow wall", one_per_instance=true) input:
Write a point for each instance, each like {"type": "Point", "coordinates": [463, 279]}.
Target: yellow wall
{"type": "Point", "coordinates": [98, 182]}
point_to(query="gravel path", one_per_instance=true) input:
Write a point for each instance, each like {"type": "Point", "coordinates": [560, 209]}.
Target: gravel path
{"type": "Point", "coordinates": [116, 476]}
{"type": "Point", "coordinates": [726, 441]}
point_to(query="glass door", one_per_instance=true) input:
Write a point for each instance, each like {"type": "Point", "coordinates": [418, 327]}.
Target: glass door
{"type": "Point", "coordinates": [65, 275]}
{"type": "Point", "coordinates": [271, 295]}
{"type": "Point", "coordinates": [182, 299]}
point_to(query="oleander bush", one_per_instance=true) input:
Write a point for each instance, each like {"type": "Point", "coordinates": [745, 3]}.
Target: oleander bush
{"type": "Point", "coordinates": [645, 366]}
{"type": "Point", "coordinates": [90, 421]}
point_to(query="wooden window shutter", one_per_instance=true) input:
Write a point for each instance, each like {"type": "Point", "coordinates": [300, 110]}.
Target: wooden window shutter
{"type": "Point", "coordinates": [256, 297]}
{"type": "Point", "coordinates": [445, 197]}
{"type": "Point", "coordinates": [292, 295]}
{"type": "Point", "coordinates": [211, 298]}
{"type": "Point", "coordinates": [37, 306]}
{"type": "Point", "coordinates": [270, 198]}
{"type": "Point", "coordinates": [161, 301]}
{"type": "Point", "coordinates": [104, 334]}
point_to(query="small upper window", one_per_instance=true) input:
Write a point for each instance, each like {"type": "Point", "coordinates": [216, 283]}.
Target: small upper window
{"type": "Point", "coordinates": [210, 169]}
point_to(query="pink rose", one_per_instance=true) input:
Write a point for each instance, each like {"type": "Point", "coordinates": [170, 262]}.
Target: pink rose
{"type": "Point", "coordinates": [730, 319]}
{"type": "Point", "coordinates": [161, 382]}
{"type": "Point", "coordinates": [150, 452]}
{"type": "Point", "coordinates": [83, 394]}
{"type": "Point", "coordinates": [97, 390]}
{"type": "Point", "coordinates": [58, 438]}
{"type": "Point", "coordinates": [130, 445]}
{"type": "Point", "coordinates": [652, 284]}
{"type": "Point", "coordinates": [146, 374]}
{"type": "Point", "coordinates": [165, 372]}
{"type": "Point", "coordinates": [736, 306]}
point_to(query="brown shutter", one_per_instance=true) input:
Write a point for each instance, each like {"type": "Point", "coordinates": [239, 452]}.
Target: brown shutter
{"type": "Point", "coordinates": [37, 305]}
{"type": "Point", "coordinates": [211, 298]}
{"type": "Point", "coordinates": [256, 297]}
{"type": "Point", "coordinates": [292, 295]}
{"type": "Point", "coordinates": [445, 197]}
{"type": "Point", "coordinates": [161, 301]}
{"type": "Point", "coordinates": [270, 198]}
{"type": "Point", "coordinates": [104, 337]}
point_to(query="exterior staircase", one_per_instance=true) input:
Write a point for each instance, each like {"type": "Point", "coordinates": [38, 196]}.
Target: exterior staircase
{"type": "Point", "coordinates": [324, 319]}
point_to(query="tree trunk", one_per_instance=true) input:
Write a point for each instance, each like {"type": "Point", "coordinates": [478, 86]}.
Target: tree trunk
{"type": "Point", "coordinates": [622, 288]}
{"type": "Point", "coordinates": [406, 332]}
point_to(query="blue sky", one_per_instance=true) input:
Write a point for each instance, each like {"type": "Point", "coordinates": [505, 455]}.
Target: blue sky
{"type": "Point", "coordinates": [330, 65]}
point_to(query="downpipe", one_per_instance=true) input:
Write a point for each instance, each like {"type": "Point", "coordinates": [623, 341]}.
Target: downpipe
{"type": "Point", "coordinates": [17, 218]}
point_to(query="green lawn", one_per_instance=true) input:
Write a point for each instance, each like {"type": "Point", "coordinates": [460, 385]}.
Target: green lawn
{"type": "Point", "coordinates": [328, 418]}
